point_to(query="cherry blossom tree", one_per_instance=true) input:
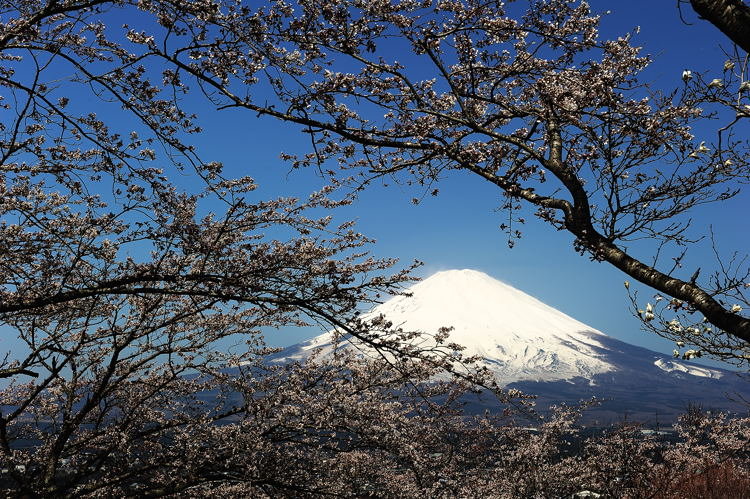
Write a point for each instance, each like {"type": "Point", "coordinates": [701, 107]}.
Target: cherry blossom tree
{"type": "Point", "coordinates": [527, 97]}
{"type": "Point", "coordinates": [132, 303]}
{"type": "Point", "coordinates": [137, 279]}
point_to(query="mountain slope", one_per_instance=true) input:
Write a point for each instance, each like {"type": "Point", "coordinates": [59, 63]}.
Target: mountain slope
{"type": "Point", "coordinates": [532, 346]}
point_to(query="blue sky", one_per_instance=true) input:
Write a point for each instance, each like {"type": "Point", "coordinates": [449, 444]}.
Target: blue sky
{"type": "Point", "coordinates": [459, 228]}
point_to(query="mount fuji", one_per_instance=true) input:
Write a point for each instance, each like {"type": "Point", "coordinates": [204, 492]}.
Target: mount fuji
{"type": "Point", "coordinates": [533, 347]}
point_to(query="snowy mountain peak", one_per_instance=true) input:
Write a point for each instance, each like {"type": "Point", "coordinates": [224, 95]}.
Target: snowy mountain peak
{"type": "Point", "coordinates": [519, 337]}
{"type": "Point", "coordinates": [538, 349]}
{"type": "Point", "coordinates": [481, 308]}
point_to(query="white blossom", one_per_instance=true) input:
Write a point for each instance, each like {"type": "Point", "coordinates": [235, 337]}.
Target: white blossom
{"type": "Point", "coordinates": [702, 149]}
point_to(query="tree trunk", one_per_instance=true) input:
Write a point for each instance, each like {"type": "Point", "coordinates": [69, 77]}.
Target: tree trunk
{"type": "Point", "coordinates": [732, 17]}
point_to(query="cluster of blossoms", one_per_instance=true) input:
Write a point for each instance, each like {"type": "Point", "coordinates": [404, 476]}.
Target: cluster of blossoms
{"type": "Point", "coordinates": [353, 427]}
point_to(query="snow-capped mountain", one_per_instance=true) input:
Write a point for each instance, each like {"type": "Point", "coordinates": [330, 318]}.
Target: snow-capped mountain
{"type": "Point", "coordinates": [532, 346]}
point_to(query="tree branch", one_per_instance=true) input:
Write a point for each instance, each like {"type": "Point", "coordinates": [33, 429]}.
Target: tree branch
{"type": "Point", "coordinates": [732, 17]}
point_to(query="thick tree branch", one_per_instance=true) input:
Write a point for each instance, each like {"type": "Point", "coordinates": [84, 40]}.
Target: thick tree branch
{"type": "Point", "coordinates": [732, 17]}
{"type": "Point", "coordinates": [7, 373]}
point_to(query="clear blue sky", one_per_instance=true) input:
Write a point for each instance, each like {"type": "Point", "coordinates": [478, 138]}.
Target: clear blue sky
{"type": "Point", "coordinates": [459, 228]}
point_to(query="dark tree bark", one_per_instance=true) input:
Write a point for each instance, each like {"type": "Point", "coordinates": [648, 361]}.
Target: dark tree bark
{"type": "Point", "coordinates": [732, 17]}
